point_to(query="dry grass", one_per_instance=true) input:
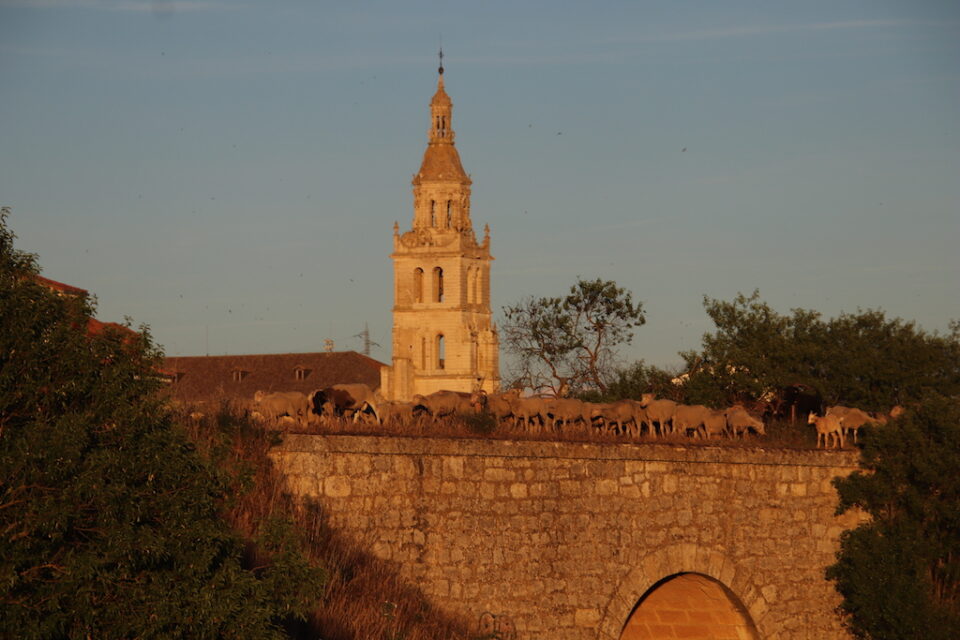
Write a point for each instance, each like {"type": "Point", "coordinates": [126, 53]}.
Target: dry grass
{"type": "Point", "coordinates": [365, 597]}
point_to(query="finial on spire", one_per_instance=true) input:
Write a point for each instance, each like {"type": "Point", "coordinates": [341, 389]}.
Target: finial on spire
{"type": "Point", "coordinates": [441, 60]}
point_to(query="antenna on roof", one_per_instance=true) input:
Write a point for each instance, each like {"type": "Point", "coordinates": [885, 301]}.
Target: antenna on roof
{"type": "Point", "coordinates": [328, 345]}
{"type": "Point", "coordinates": [367, 342]}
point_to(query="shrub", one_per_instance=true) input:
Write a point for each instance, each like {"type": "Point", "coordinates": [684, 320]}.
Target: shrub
{"type": "Point", "coordinates": [109, 519]}
{"type": "Point", "coordinates": [899, 573]}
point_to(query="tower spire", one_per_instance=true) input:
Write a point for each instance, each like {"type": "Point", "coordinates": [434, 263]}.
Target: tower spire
{"type": "Point", "coordinates": [440, 70]}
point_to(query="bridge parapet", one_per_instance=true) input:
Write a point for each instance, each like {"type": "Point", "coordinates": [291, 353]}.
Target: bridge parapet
{"type": "Point", "coordinates": [566, 538]}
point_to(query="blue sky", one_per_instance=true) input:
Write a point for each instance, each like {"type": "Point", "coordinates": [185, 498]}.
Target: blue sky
{"type": "Point", "coordinates": [229, 172]}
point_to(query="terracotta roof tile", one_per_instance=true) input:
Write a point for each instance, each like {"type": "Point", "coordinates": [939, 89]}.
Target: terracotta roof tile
{"type": "Point", "coordinates": [60, 287]}
{"type": "Point", "coordinates": [96, 327]}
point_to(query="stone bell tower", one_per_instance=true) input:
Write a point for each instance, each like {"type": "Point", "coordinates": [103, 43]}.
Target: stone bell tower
{"type": "Point", "coordinates": [443, 334]}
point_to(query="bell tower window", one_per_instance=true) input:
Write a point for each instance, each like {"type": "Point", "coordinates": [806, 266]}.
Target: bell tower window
{"type": "Point", "coordinates": [437, 284]}
{"type": "Point", "coordinates": [441, 352]}
{"type": "Point", "coordinates": [449, 214]}
{"type": "Point", "coordinates": [418, 285]}
{"type": "Point", "coordinates": [433, 213]}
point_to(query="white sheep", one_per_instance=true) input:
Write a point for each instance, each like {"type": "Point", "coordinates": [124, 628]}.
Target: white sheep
{"type": "Point", "coordinates": [828, 425]}
{"type": "Point", "coordinates": [739, 421]}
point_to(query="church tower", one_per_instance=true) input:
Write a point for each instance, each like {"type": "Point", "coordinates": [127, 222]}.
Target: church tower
{"type": "Point", "coordinates": [443, 334]}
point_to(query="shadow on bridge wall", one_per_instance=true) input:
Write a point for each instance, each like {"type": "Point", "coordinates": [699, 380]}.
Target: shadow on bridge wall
{"type": "Point", "coordinates": [655, 598]}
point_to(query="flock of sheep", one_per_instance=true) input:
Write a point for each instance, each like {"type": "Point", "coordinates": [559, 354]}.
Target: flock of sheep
{"type": "Point", "coordinates": [655, 417]}
{"type": "Point", "coordinates": [840, 421]}
{"type": "Point", "coordinates": [649, 415]}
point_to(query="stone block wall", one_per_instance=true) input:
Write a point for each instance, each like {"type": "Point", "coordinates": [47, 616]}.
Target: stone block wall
{"type": "Point", "coordinates": [565, 538]}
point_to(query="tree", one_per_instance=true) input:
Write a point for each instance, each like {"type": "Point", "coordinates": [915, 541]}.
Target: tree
{"type": "Point", "coordinates": [899, 573]}
{"type": "Point", "coordinates": [863, 359]}
{"type": "Point", "coordinates": [565, 345]}
{"type": "Point", "coordinates": [109, 520]}
{"type": "Point", "coordinates": [636, 379]}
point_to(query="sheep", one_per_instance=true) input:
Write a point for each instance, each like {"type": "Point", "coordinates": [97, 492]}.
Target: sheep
{"type": "Point", "coordinates": [397, 413]}
{"type": "Point", "coordinates": [739, 422]}
{"type": "Point", "coordinates": [689, 418]}
{"type": "Point", "coordinates": [715, 423]}
{"type": "Point", "coordinates": [284, 403]}
{"type": "Point", "coordinates": [498, 404]}
{"type": "Point", "coordinates": [851, 419]}
{"type": "Point", "coordinates": [444, 403]}
{"type": "Point", "coordinates": [659, 411]}
{"type": "Point", "coordinates": [355, 398]}
{"type": "Point", "coordinates": [619, 414]}
{"type": "Point", "coordinates": [567, 411]}
{"type": "Point", "coordinates": [884, 418]}
{"type": "Point", "coordinates": [828, 425]}
{"type": "Point", "coordinates": [531, 411]}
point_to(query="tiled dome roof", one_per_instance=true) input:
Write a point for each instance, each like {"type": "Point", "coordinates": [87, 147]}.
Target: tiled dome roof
{"type": "Point", "coordinates": [441, 163]}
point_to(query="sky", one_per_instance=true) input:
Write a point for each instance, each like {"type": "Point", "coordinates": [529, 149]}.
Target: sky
{"type": "Point", "coordinates": [228, 172]}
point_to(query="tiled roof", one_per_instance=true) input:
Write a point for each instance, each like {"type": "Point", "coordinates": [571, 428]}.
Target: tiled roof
{"type": "Point", "coordinates": [211, 378]}
{"type": "Point", "coordinates": [60, 287]}
{"type": "Point", "coordinates": [96, 327]}
{"type": "Point", "coordinates": [441, 162]}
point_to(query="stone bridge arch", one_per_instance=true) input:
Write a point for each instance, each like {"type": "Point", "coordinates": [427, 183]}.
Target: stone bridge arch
{"type": "Point", "coordinates": [659, 567]}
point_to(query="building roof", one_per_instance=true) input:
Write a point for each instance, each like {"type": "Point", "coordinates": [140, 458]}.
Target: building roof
{"type": "Point", "coordinates": [196, 379]}
{"type": "Point", "coordinates": [441, 163]}
{"type": "Point", "coordinates": [60, 287]}
{"type": "Point", "coordinates": [94, 327]}
{"type": "Point", "coordinates": [440, 98]}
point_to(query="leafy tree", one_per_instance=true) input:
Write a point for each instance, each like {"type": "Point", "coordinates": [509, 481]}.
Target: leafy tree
{"type": "Point", "coordinates": [862, 359]}
{"type": "Point", "coordinates": [109, 523]}
{"type": "Point", "coordinates": [899, 573]}
{"type": "Point", "coordinates": [636, 379]}
{"type": "Point", "coordinates": [568, 344]}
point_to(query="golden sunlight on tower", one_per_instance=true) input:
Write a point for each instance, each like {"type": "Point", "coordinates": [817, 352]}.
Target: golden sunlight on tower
{"type": "Point", "coordinates": [443, 334]}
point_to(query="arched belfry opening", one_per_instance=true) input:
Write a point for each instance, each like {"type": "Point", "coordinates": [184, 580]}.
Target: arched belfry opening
{"type": "Point", "coordinates": [418, 285]}
{"type": "Point", "coordinates": [691, 606]}
{"type": "Point", "coordinates": [437, 284]}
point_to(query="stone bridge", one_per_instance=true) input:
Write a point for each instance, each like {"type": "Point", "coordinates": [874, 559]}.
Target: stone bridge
{"type": "Point", "coordinates": [592, 541]}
